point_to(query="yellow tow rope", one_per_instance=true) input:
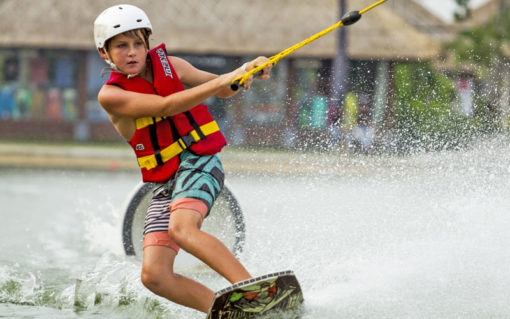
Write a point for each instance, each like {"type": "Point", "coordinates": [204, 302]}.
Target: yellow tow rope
{"type": "Point", "coordinates": [350, 18]}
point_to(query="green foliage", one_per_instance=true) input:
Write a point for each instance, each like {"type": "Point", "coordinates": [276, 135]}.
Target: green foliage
{"type": "Point", "coordinates": [481, 51]}
{"type": "Point", "coordinates": [424, 115]}
{"type": "Point", "coordinates": [463, 12]}
{"type": "Point", "coordinates": [482, 45]}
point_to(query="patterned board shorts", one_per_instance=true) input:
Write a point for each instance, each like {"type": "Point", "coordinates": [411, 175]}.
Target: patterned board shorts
{"type": "Point", "coordinates": [196, 185]}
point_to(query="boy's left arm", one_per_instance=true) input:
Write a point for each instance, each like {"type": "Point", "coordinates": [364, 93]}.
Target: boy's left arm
{"type": "Point", "coordinates": [191, 76]}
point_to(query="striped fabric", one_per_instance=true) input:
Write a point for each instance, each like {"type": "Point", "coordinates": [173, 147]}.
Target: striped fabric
{"type": "Point", "coordinates": [158, 213]}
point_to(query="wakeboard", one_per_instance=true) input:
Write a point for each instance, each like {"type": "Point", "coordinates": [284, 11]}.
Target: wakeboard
{"type": "Point", "coordinates": [256, 296]}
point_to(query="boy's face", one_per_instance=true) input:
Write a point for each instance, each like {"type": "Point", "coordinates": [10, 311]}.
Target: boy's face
{"type": "Point", "coordinates": [128, 54]}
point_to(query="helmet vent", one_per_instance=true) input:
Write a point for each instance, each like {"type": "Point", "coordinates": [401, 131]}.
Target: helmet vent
{"type": "Point", "coordinates": [139, 20]}
{"type": "Point", "coordinates": [116, 26]}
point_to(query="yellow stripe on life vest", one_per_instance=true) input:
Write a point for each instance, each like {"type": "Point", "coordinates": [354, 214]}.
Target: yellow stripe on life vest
{"type": "Point", "coordinates": [146, 121]}
{"type": "Point", "coordinates": [207, 129]}
{"type": "Point", "coordinates": [149, 162]}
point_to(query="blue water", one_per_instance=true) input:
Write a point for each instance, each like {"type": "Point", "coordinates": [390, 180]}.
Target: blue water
{"type": "Point", "coordinates": [422, 236]}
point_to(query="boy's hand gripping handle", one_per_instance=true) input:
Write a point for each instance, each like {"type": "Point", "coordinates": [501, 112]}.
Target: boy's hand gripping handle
{"type": "Point", "coordinates": [236, 83]}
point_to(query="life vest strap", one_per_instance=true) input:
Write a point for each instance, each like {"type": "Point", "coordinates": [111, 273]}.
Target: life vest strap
{"type": "Point", "coordinates": [150, 161]}
{"type": "Point", "coordinates": [194, 124]}
{"type": "Point", "coordinates": [155, 143]}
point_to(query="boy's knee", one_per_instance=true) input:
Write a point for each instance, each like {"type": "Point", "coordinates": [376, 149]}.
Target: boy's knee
{"type": "Point", "coordinates": [149, 278]}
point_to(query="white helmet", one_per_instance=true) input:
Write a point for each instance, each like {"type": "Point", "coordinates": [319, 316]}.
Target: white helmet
{"type": "Point", "coordinates": [118, 19]}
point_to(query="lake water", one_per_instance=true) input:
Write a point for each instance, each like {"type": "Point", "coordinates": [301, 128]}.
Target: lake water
{"type": "Point", "coordinates": [422, 236]}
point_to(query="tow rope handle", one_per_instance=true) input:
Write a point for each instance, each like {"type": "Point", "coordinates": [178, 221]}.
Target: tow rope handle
{"type": "Point", "coordinates": [348, 19]}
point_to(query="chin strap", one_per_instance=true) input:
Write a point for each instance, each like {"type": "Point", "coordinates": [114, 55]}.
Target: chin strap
{"type": "Point", "coordinates": [113, 67]}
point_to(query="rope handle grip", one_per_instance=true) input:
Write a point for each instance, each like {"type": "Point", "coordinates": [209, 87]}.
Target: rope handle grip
{"type": "Point", "coordinates": [234, 86]}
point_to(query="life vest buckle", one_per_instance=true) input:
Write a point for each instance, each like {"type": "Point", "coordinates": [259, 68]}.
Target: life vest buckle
{"type": "Point", "coordinates": [188, 140]}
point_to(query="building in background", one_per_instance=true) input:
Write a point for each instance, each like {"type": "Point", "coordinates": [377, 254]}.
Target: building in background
{"type": "Point", "coordinates": [50, 72]}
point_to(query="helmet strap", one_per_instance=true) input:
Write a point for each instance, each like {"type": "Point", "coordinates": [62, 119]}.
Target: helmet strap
{"type": "Point", "coordinates": [116, 69]}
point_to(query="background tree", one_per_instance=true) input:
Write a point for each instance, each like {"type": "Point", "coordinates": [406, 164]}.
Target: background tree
{"type": "Point", "coordinates": [484, 52]}
{"type": "Point", "coordinates": [425, 115]}
{"type": "Point", "coordinates": [463, 12]}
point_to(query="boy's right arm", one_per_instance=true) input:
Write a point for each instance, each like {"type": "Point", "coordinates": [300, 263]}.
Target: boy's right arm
{"type": "Point", "coordinates": [122, 103]}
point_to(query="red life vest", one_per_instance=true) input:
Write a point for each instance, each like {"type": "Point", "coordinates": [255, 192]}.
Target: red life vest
{"type": "Point", "coordinates": [158, 141]}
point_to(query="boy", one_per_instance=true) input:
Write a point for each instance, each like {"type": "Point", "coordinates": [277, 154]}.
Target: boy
{"type": "Point", "coordinates": [175, 140]}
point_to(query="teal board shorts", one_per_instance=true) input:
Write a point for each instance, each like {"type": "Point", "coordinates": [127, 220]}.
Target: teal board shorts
{"type": "Point", "coordinates": [195, 185]}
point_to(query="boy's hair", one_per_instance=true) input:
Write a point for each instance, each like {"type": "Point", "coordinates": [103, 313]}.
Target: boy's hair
{"type": "Point", "coordinates": [134, 34]}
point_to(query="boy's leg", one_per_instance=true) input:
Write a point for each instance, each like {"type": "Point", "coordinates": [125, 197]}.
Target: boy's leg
{"type": "Point", "coordinates": [158, 276]}
{"type": "Point", "coordinates": [196, 186]}
{"type": "Point", "coordinates": [185, 231]}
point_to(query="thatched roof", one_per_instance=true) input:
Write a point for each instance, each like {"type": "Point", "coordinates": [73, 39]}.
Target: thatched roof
{"type": "Point", "coordinates": [384, 34]}
{"type": "Point", "coordinates": [232, 27]}
{"type": "Point", "coordinates": [482, 14]}
{"type": "Point", "coordinates": [423, 20]}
